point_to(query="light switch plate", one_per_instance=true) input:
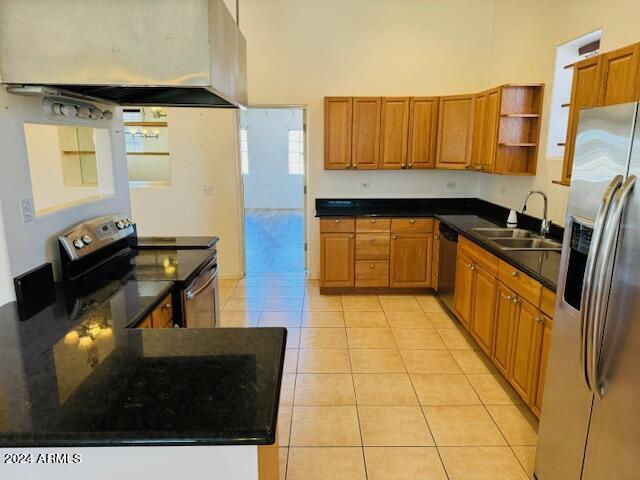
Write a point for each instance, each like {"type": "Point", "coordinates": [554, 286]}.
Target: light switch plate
{"type": "Point", "coordinates": [207, 189]}
{"type": "Point", "coordinates": [26, 209]}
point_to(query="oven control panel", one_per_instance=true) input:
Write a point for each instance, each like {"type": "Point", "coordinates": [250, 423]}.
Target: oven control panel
{"type": "Point", "coordinates": [92, 235]}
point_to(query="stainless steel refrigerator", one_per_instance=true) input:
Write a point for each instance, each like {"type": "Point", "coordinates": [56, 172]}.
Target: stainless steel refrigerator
{"type": "Point", "coordinates": [590, 423]}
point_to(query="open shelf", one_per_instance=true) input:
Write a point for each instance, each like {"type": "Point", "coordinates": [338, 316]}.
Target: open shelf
{"type": "Point", "coordinates": [148, 153]}
{"type": "Point", "coordinates": [145, 124]}
{"type": "Point", "coordinates": [520, 115]}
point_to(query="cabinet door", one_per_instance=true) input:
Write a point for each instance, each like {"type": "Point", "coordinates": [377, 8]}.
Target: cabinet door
{"type": "Point", "coordinates": [162, 315]}
{"type": "Point", "coordinates": [585, 92]}
{"type": "Point", "coordinates": [435, 258]}
{"type": "Point", "coordinates": [479, 123]}
{"type": "Point", "coordinates": [541, 374]}
{"type": "Point", "coordinates": [410, 260]}
{"type": "Point", "coordinates": [528, 327]}
{"type": "Point", "coordinates": [484, 308]}
{"type": "Point", "coordinates": [423, 130]}
{"type": "Point", "coordinates": [337, 259]}
{"type": "Point", "coordinates": [455, 131]}
{"type": "Point", "coordinates": [394, 132]}
{"type": "Point", "coordinates": [366, 133]}
{"type": "Point", "coordinates": [337, 132]}
{"type": "Point", "coordinates": [491, 125]}
{"type": "Point", "coordinates": [620, 70]}
{"type": "Point", "coordinates": [463, 293]}
{"type": "Point", "coordinates": [504, 323]}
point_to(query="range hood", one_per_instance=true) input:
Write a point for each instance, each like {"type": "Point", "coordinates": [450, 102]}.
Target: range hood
{"type": "Point", "coordinates": [125, 52]}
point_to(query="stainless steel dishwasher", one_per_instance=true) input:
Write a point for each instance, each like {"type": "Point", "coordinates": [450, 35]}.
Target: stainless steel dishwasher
{"type": "Point", "coordinates": [448, 239]}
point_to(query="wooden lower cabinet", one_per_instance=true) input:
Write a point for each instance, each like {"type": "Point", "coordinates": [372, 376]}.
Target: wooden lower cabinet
{"type": "Point", "coordinates": [526, 331]}
{"type": "Point", "coordinates": [337, 254]}
{"type": "Point", "coordinates": [484, 308]}
{"type": "Point", "coordinates": [463, 301]}
{"type": "Point", "coordinates": [161, 316]}
{"type": "Point", "coordinates": [541, 365]}
{"type": "Point", "coordinates": [410, 260]}
{"type": "Point", "coordinates": [372, 273]}
{"type": "Point", "coordinates": [504, 324]}
{"type": "Point", "coordinates": [511, 329]}
{"type": "Point", "coordinates": [435, 257]}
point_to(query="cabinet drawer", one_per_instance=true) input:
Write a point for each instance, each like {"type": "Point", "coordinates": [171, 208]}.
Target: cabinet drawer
{"type": "Point", "coordinates": [548, 302]}
{"type": "Point", "coordinates": [372, 273]}
{"type": "Point", "coordinates": [412, 225]}
{"type": "Point", "coordinates": [519, 282]}
{"type": "Point", "coordinates": [479, 255]}
{"type": "Point", "coordinates": [372, 224]}
{"type": "Point", "coordinates": [337, 225]}
{"type": "Point", "coordinates": [371, 246]}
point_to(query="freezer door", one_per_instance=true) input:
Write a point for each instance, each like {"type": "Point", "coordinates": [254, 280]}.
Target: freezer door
{"type": "Point", "coordinates": [601, 154]}
{"type": "Point", "coordinates": [614, 436]}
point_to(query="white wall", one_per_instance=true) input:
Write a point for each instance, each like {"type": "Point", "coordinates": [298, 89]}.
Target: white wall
{"type": "Point", "coordinates": [28, 245]}
{"type": "Point", "coordinates": [269, 184]}
{"type": "Point", "coordinates": [203, 150]}
{"type": "Point", "coordinates": [525, 36]}
{"type": "Point", "coordinates": [301, 51]}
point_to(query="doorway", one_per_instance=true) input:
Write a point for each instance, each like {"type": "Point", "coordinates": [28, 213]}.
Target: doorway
{"type": "Point", "coordinates": [273, 168]}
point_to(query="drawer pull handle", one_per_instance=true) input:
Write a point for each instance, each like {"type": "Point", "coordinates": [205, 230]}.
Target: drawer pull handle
{"type": "Point", "coordinates": [412, 221]}
{"type": "Point", "coordinates": [166, 306]}
{"type": "Point", "coordinates": [539, 319]}
{"type": "Point", "coordinates": [337, 220]}
{"type": "Point", "coordinates": [372, 266]}
{"type": "Point", "coordinates": [514, 274]}
{"type": "Point", "coordinates": [355, 166]}
{"type": "Point", "coordinates": [373, 221]}
{"type": "Point", "coordinates": [351, 236]}
{"type": "Point", "coordinates": [373, 239]}
{"type": "Point", "coordinates": [509, 297]}
{"type": "Point", "coordinates": [393, 236]}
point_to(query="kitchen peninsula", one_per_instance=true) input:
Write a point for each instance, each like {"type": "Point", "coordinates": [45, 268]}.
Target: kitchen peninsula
{"type": "Point", "coordinates": [171, 400]}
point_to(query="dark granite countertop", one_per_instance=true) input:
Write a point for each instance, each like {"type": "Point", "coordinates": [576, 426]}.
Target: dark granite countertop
{"type": "Point", "coordinates": [177, 242]}
{"type": "Point", "coordinates": [544, 266]}
{"type": "Point", "coordinates": [461, 214]}
{"type": "Point", "coordinates": [75, 375]}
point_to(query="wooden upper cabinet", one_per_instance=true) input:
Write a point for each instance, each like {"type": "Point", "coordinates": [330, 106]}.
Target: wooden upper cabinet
{"type": "Point", "coordinates": [585, 92]}
{"type": "Point", "coordinates": [491, 125]}
{"type": "Point", "coordinates": [366, 133]}
{"type": "Point", "coordinates": [480, 103]}
{"type": "Point", "coordinates": [337, 132]}
{"type": "Point", "coordinates": [621, 73]}
{"type": "Point", "coordinates": [423, 130]}
{"type": "Point", "coordinates": [484, 308]}
{"type": "Point", "coordinates": [455, 132]}
{"type": "Point", "coordinates": [337, 259]}
{"type": "Point", "coordinates": [410, 260]}
{"type": "Point", "coordinates": [394, 132]}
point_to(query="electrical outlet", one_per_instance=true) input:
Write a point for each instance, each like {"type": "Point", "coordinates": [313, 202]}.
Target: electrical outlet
{"type": "Point", "coordinates": [365, 185]}
{"type": "Point", "coordinates": [450, 185]}
{"type": "Point", "coordinates": [26, 209]}
{"type": "Point", "coordinates": [207, 189]}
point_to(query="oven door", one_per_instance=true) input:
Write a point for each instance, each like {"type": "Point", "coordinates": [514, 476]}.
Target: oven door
{"type": "Point", "coordinates": [201, 301]}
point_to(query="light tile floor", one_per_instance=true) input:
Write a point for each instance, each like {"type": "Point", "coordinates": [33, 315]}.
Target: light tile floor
{"type": "Point", "coordinates": [383, 387]}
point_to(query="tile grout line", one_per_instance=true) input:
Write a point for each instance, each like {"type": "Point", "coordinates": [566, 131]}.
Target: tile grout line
{"type": "Point", "coordinates": [444, 468]}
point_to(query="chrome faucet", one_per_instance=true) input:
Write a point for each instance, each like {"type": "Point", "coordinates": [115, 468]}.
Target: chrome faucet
{"type": "Point", "coordinates": [546, 224]}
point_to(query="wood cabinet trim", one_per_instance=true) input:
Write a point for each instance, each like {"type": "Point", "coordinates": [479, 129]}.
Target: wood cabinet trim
{"type": "Point", "coordinates": [466, 136]}
{"type": "Point", "coordinates": [343, 141]}
{"type": "Point", "coordinates": [394, 143]}
{"type": "Point", "coordinates": [423, 133]}
{"type": "Point", "coordinates": [365, 137]}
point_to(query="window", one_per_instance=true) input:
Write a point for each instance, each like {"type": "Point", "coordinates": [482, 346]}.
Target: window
{"type": "Point", "coordinates": [296, 152]}
{"type": "Point", "coordinates": [244, 152]}
{"type": "Point", "coordinates": [566, 55]}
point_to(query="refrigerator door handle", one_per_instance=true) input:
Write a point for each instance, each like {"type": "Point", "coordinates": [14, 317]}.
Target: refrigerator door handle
{"type": "Point", "coordinates": [599, 301]}
{"type": "Point", "coordinates": [590, 270]}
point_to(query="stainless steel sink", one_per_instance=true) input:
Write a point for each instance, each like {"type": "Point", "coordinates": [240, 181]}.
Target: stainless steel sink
{"type": "Point", "coordinates": [527, 244]}
{"type": "Point", "coordinates": [517, 239]}
{"type": "Point", "coordinates": [504, 232]}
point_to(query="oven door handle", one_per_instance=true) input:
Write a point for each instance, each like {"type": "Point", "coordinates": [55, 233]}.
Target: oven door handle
{"type": "Point", "coordinates": [194, 293]}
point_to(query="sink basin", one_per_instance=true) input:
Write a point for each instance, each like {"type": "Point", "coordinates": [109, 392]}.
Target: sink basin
{"type": "Point", "coordinates": [504, 232]}
{"type": "Point", "coordinates": [527, 244]}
